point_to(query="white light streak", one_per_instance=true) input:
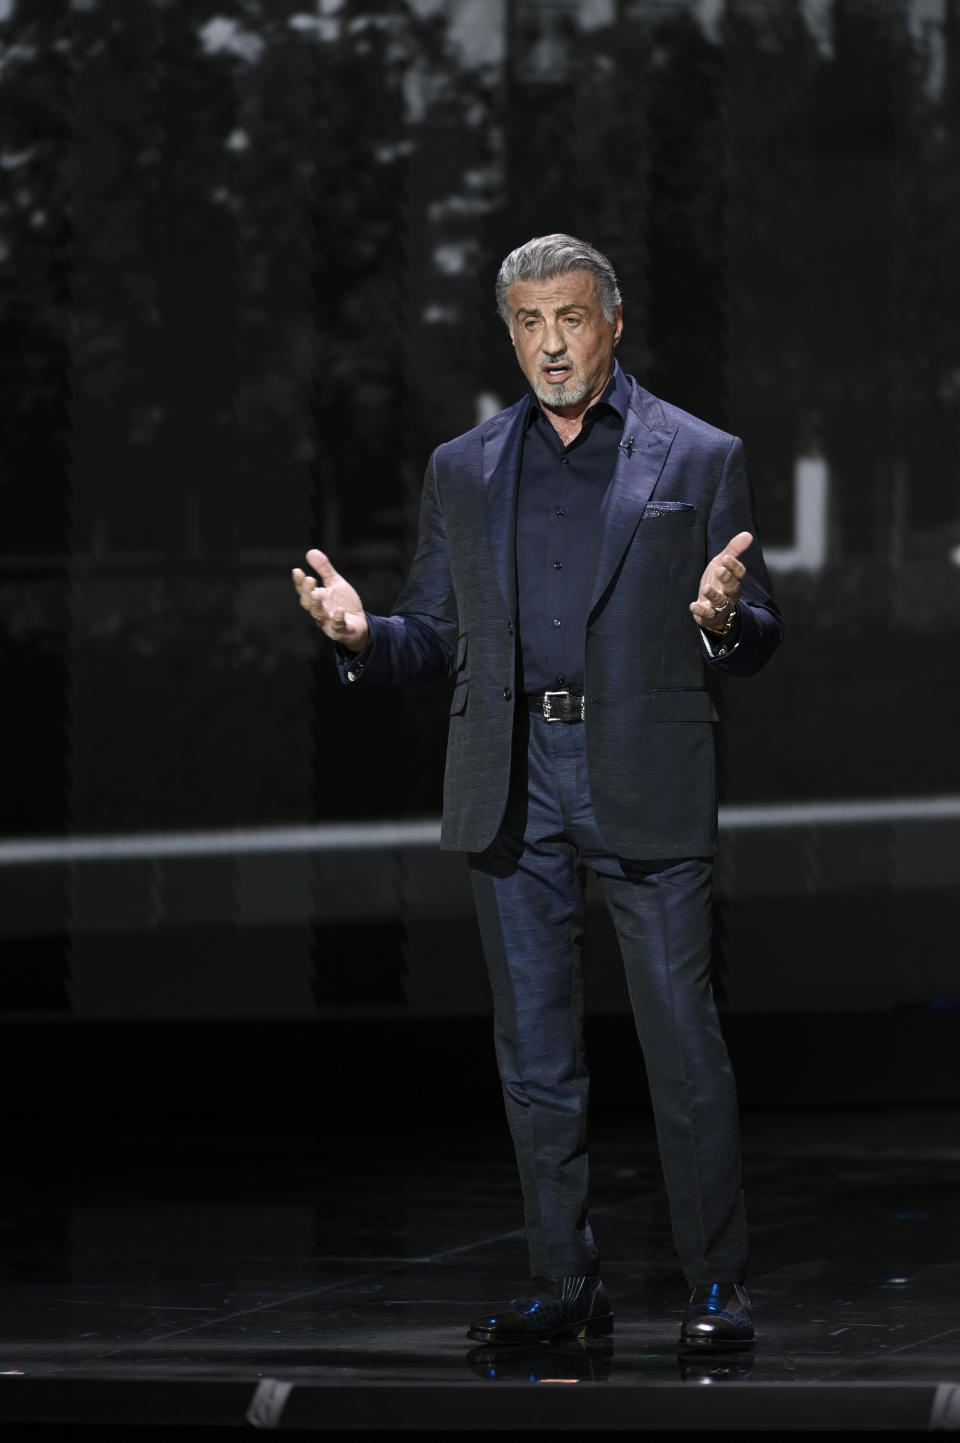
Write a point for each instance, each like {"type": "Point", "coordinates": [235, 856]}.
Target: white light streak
{"type": "Point", "coordinates": [396, 835]}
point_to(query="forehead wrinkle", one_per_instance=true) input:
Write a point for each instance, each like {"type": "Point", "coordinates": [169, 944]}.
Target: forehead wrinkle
{"type": "Point", "coordinates": [573, 288]}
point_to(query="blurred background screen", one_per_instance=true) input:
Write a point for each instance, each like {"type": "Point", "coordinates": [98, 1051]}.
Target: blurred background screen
{"type": "Point", "coordinates": [247, 254]}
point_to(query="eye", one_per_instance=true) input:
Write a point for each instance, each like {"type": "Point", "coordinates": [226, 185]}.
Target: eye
{"type": "Point", "coordinates": [573, 320]}
{"type": "Point", "coordinates": [530, 323]}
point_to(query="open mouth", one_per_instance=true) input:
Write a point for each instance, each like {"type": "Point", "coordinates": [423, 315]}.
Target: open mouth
{"type": "Point", "coordinates": [557, 373]}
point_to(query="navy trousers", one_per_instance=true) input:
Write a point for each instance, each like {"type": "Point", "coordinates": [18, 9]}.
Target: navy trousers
{"type": "Point", "coordinates": [528, 890]}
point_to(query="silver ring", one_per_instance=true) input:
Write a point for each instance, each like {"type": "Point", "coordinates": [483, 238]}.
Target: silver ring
{"type": "Point", "coordinates": [724, 606]}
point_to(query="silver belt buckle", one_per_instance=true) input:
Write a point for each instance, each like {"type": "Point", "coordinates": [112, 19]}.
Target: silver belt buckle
{"type": "Point", "coordinates": [546, 705]}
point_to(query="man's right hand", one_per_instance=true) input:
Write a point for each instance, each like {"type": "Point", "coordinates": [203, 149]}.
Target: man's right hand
{"type": "Point", "coordinates": [332, 602]}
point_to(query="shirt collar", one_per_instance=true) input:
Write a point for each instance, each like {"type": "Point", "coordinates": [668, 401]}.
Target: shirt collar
{"type": "Point", "coordinates": [617, 393]}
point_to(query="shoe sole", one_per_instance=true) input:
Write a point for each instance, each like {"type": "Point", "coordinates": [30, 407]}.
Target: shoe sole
{"type": "Point", "coordinates": [711, 1345]}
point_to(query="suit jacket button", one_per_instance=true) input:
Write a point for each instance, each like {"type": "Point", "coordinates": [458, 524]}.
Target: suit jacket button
{"type": "Point", "coordinates": [507, 693]}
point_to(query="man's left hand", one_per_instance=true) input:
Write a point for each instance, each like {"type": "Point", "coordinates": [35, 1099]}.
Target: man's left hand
{"type": "Point", "coordinates": [720, 585]}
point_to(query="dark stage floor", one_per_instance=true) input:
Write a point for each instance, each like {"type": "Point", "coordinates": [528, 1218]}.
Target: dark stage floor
{"type": "Point", "coordinates": [321, 1280]}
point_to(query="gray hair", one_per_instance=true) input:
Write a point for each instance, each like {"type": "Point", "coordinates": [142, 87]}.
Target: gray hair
{"type": "Point", "coordinates": [554, 255]}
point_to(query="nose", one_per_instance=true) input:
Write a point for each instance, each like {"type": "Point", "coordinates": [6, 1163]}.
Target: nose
{"type": "Point", "coordinates": [554, 343]}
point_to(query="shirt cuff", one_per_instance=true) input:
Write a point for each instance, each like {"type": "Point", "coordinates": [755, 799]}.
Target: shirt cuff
{"type": "Point", "coordinates": [353, 662]}
{"type": "Point", "coordinates": [719, 647]}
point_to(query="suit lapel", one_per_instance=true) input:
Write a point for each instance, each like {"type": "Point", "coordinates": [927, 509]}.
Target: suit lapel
{"type": "Point", "coordinates": [646, 441]}
{"type": "Point", "coordinates": [501, 468]}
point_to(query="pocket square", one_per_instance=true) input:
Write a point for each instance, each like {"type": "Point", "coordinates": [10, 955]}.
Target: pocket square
{"type": "Point", "coordinates": [667, 508]}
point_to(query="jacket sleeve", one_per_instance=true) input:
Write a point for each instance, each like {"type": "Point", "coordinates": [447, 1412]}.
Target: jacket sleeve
{"type": "Point", "coordinates": [417, 641]}
{"type": "Point", "coordinates": [759, 623]}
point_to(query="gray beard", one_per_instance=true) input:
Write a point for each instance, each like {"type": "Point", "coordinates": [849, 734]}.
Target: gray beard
{"type": "Point", "coordinates": [554, 396]}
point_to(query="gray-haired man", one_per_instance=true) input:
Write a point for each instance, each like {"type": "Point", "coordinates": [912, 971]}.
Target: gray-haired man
{"type": "Point", "coordinates": [579, 566]}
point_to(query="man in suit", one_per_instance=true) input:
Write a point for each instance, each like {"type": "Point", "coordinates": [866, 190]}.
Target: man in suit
{"type": "Point", "coordinates": [580, 562]}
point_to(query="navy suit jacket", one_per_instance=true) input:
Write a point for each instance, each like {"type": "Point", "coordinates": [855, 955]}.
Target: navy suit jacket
{"type": "Point", "coordinates": [679, 493]}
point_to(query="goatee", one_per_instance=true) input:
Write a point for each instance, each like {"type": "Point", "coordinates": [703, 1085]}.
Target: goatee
{"type": "Point", "coordinates": [570, 395]}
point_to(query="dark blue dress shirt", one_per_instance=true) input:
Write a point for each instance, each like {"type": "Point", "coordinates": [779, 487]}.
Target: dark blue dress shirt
{"type": "Point", "coordinates": [560, 495]}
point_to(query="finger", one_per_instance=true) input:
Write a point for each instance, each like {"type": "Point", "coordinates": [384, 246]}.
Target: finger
{"type": "Point", "coordinates": [322, 564]}
{"type": "Point", "coordinates": [315, 601]}
{"type": "Point", "coordinates": [327, 619]}
{"type": "Point", "coordinates": [736, 546]}
{"type": "Point", "coordinates": [305, 588]}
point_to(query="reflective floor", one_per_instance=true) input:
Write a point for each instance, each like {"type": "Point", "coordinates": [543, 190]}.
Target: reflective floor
{"type": "Point", "coordinates": [347, 1262]}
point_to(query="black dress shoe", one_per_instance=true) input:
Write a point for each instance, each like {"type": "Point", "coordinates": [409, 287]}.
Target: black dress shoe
{"type": "Point", "coordinates": [717, 1318]}
{"type": "Point", "coordinates": [554, 1308]}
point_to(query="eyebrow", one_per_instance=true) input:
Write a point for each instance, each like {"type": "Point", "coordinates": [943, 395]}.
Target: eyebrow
{"type": "Point", "coordinates": [560, 311]}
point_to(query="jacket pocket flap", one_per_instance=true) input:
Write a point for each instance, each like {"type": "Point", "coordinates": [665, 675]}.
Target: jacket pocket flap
{"type": "Point", "coordinates": [683, 706]}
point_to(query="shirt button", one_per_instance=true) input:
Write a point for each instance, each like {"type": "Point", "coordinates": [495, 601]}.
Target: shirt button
{"type": "Point", "coordinates": [509, 628]}
{"type": "Point", "coordinates": [564, 460]}
{"type": "Point", "coordinates": [560, 511]}
{"type": "Point", "coordinates": [556, 621]}
{"type": "Point", "coordinates": [507, 693]}
{"type": "Point", "coordinates": [561, 680]}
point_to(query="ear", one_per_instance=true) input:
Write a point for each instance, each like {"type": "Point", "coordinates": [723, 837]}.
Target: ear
{"type": "Point", "coordinates": [618, 325]}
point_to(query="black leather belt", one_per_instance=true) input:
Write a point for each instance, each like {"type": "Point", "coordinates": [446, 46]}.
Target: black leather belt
{"type": "Point", "coordinates": [562, 706]}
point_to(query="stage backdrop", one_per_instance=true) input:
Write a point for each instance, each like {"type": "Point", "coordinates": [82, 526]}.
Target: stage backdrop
{"type": "Point", "coordinates": [247, 252]}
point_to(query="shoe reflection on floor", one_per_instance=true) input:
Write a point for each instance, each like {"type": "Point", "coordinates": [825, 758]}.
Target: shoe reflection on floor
{"type": "Point", "coordinates": [589, 1360]}
{"type": "Point", "coordinates": [566, 1360]}
{"type": "Point", "coordinates": [713, 1370]}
